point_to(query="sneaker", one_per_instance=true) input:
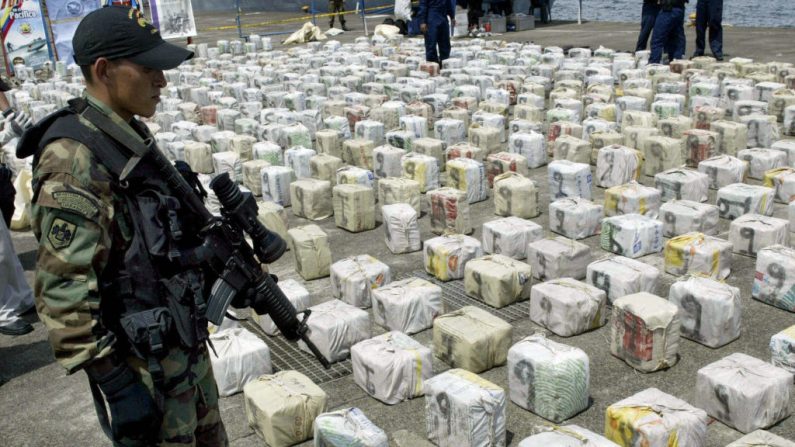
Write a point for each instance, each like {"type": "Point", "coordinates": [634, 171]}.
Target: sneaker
{"type": "Point", "coordinates": [16, 327]}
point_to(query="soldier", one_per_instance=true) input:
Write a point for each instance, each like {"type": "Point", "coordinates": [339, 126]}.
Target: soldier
{"type": "Point", "coordinates": [337, 7]}
{"type": "Point", "coordinates": [114, 286]}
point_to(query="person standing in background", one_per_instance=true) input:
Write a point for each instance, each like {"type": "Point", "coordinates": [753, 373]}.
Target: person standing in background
{"type": "Point", "coordinates": [337, 7]}
{"type": "Point", "coordinates": [474, 13]}
{"type": "Point", "coordinates": [436, 29]}
{"type": "Point", "coordinates": [648, 16]}
{"type": "Point", "coordinates": [668, 33]}
{"type": "Point", "coordinates": [709, 14]}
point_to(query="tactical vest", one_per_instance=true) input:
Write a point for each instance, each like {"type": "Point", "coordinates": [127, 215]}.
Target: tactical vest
{"type": "Point", "coordinates": [151, 298]}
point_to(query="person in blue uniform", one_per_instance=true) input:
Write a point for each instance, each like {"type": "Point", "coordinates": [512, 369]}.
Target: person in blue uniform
{"type": "Point", "coordinates": [434, 25]}
{"type": "Point", "coordinates": [709, 15]}
{"type": "Point", "coordinates": [669, 31]}
{"type": "Point", "coordinates": [648, 16]}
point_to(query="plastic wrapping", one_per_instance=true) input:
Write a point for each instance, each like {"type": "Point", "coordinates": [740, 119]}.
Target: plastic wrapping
{"type": "Point", "coordinates": [335, 327]}
{"type": "Point", "coordinates": [567, 147]}
{"type": "Point", "coordinates": [501, 162]}
{"type": "Point", "coordinates": [774, 280]}
{"type": "Point", "coordinates": [515, 195]}
{"type": "Point", "coordinates": [409, 305]}
{"type": "Point", "coordinates": [738, 198]}
{"type": "Point", "coordinates": [469, 176]}
{"type": "Point", "coordinates": [329, 141]}
{"type": "Point", "coordinates": [270, 152]}
{"type": "Point", "coordinates": [311, 198]}
{"type": "Point", "coordinates": [782, 349]}
{"type": "Point", "coordinates": [399, 190]}
{"type": "Point", "coordinates": [619, 276]}
{"type": "Point", "coordinates": [199, 157]}
{"type": "Point", "coordinates": [497, 280]}
{"type": "Point", "coordinates": [238, 357]}
{"type": "Point", "coordinates": [324, 167]}
{"type": "Point", "coordinates": [310, 248]}
{"type": "Point", "coordinates": [352, 175]}
{"type": "Point", "coordinates": [347, 427]}
{"type": "Point", "coordinates": [761, 438]}
{"type": "Point", "coordinates": [471, 338]}
{"type": "Point", "coordinates": [431, 147]}
{"type": "Point", "coordinates": [762, 160]}
{"type": "Point", "coordinates": [685, 216]}
{"type": "Point", "coordinates": [732, 137]}
{"type": "Point", "coordinates": [401, 228]}
{"type": "Point", "coordinates": [674, 127]}
{"type": "Point", "coordinates": [276, 184]}
{"type": "Point", "coordinates": [631, 235]}
{"type": "Point", "coordinates": [251, 175]}
{"type": "Point", "coordinates": [696, 253]}
{"type": "Point", "coordinates": [569, 179]}
{"type": "Point", "coordinates": [710, 311]}
{"type": "Point", "coordinates": [354, 207]}
{"type": "Point", "coordinates": [645, 332]}
{"type": "Point", "coordinates": [762, 130]}
{"type": "Point", "coordinates": [387, 161]}
{"type": "Point", "coordinates": [724, 170]}
{"type": "Point", "coordinates": [558, 257]}
{"type": "Point", "coordinates": [450, 131]}
{"type": "Point", "coordinates": [662, 153]}
{"type": "Point", "coordinates": [449, 211]}
{"type": "Point", "coordinates": [227, 162]}
{"type": "Point", "coordinates": [568, 307]}
{"type": "Point", "coordinates": [509, 236]}
{"type": "Point", "coordinates": [353, 279]}
{"type": "Point", "coordinates": [565, 436]}
{"type": "Point", "coordinates": [358, 152]}
{"type": "Point", "coordinates": [575, 218]}
{"type": "Point", "coordinates": [423, 169]}
{"type": "Point", "coordinates": [699, 145]}
{"type": "Point", "coordinates": [370, 130]}
{"type": "Point", "coordinates": [682, 184]}
{"type": "Point", "coordinates": [617, 165]}
{"type": "Point", "coordinates": [464, 150]}
{"type": "Point", "coordinates": [632, 198]}
{"type": "Point", "coordinates": [446, 256]}
{"type": "Point", "coordinates": [298, 158]}
{"type": "Point", "coordinates": [531, 145]}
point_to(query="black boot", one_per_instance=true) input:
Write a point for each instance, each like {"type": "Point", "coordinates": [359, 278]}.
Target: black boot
{"type": "Point", "coordinates": [345, 28]}
{"type": "Point", "coordinates": [16, 327]}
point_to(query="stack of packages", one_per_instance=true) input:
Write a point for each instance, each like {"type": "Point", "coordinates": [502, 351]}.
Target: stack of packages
{"type": "Point", "coordinates": [568, 307]}
{"type": "Point", "coordinates": [697, 253]}
{"type": "Point", "coordinates": [619, 276]}
{"type": "Point", "coordinates": [471, 338]}
{"type": "Point", "coordinates": [497, 280]}
{"type": "Point", "coordinates": [446, 256]}
{"type": "Point", "coordinates": [408, 305]}
{"type": "Point", "coordinates": [238, 357]}
{"type": "Point", "coordinates": [645, 332]}
{"type": "Point", "coordinates": [575, 218]}
{"type": "Point", "coordinates": [558, 257]}
{"type": "Point", "coordinates": [509, 236]}
{"type": "Point", "coordinates": [348, 427]}
{"type": "Point", "coordinates": [354, 279]}
{"type": "Point", "coordinates": [710, 311]}
{"type": "Point", "coordinates": [750, 233]}
{"type": "Point", "coordinates": [335, 327]}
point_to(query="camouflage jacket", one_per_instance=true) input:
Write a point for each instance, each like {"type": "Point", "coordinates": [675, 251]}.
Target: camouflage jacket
{"type": "Point", "coordinates": [78, 227]}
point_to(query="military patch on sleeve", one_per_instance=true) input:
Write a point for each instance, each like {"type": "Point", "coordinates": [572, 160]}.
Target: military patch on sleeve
{"type": "Point", "coordinates": [76, 202]}
{"type": "Point", "coordinates": [61, 233]}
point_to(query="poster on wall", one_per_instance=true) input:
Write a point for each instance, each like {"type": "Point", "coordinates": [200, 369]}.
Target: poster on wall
{"type": "Point", "coordinates": [174, 18]}
{"type": "Point", "coordinates": [65, 15]}
{"type": "Point", "coordinates": [24, 34]}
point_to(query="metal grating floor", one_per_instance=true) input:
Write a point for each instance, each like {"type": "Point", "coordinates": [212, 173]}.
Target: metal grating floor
{"type": "Point", "coordinates": [287, 356]}
{"type": "Point", "coordinates": [455, 297]}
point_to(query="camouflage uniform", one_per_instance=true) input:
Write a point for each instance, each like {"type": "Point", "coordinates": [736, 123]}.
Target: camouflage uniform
{"type": "Point", "coordinates": [337, 7]}
{"type": "Point", "coordinates": [74, 220]}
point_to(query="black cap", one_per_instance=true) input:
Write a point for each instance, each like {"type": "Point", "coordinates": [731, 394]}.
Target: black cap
{"type": "Point", "coordinates": [116, 32]}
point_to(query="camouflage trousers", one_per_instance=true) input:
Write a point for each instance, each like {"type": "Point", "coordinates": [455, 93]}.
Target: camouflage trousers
{"type": "Point", "coordinates": [337, 7]}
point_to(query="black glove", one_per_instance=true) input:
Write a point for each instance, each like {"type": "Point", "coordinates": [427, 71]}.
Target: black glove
{"type": "Point", "coordinates": [133, 412]}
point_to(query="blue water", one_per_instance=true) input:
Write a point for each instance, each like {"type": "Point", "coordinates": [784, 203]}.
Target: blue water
{"type": "Point", "coordinates": [755, 13]}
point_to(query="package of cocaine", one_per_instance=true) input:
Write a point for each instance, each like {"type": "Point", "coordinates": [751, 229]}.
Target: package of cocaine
{"type": "Point", "coordinates": [789, 121]}
{"type": "Point", "coordinates": [298, 158]}
{"type": "Point", "coordinates": [631, 235]}
{"type": "Point", "coordinates": [353, 279]}
{"type": "Point", "coordinates": [472, 339]}
{"type": "Point", "coordinates": [661, 153]}
{"type": "Point", "coordinates": [387, 161]}
{"type": "Point", "coordinates": [632, 198]}
{"type": "Point", "coordinates": [469, 176]}
{"type": "Point", "coordinates": [221, 141]}
{"type": "Point", "coordinates": [464, 410]}
{"type": "Point", "coordinates": [634, 116]}
{"type": "Point", "coordinates": [431, 147]}
{"type": "Point", "coordinates": [528, 112]}
{"type": "Point", "coordinates": [199, 157]}
{"type": "Point", "coordinates": [403, 139]}
{"type": "Point", "coordinates": [227, 162]}
{"type": "Point", "coordinates": [565, 436]}
{"type": "Point", "coordinates": [501, 162]}
{"type": "Point", "coordinates": [591, 126]}
{"type": "Point", "coordinates": [354, 207]}
{"type": "Point", "coordinates": [635, 137]}
{"type": "Point", "coordinates": [310, 248]}
{"type": "Point", "coordinates": [497, 280]}
{"type": "Point", "coordinates": [423, 169]}
{"type": "Point", "coordinates": [251, 175]}
{"type": "Point", "coordinates": [788, 147]}
{"type": "Point", "coordinates": [387, 115]}
{"type": "Point", "coordinates": [751, 232]}
{"type": "Point", "coordinates": [710, 311]}
{"type": "Point", "coordinates": [329, 141]}
{"type": "Point", "coordinates": [311, 198]}
{"type": "Point", "coordinates": [550, 379]}
{"type": "Point", "coordinates": [290, 396]}
{"type": "Point", "coordinates": [738, 198]}
{"type": "Point", "coordinates": [348, 427]}
{"type": "Point", "coordinates": [654, 418]}
{"type": "Point", "coordinates": [761, 438]}
{"type": "Point", "coordinates": [335, 327]}
{"type": "Point", "coordinates": [762, 130]}
{"type": "Point", "coordinates": [294, 135]}
{"type": "Point", "coordinates": [644, 332]}
{"type": "Point", "coordinates": [268, 151]}
{"type": "Point", "coordinates": [620, 276]}
{"type": "Point", "coordinates": [274, 217]}
{"type": "Point", "coordinates": [509, 236]}
{"type": "Point", "coordinates": [774, 280]}
{"type": "Point", "coordinates": [568, 307]}
{"type": "Point", "coordinates": [682, 184]}
{"type": "Point", "coordinates": [370, 130]}
{"type": "Point", "coordinates": [449, 211]}
{"type": "Point", "coordinates": [238, 357]}
{"type": "Point", "coordinates": [401, 228]}
{"type": "Point", "coordinates": [744, 392]}
{"type": "Point", "coordinates": [560, 128]}
{"type": "Point", "coordinates": [352, 175]}
{"type": "Point", "coordinates": [761, 160]}
{"type": "Point", "coordinates": [575, 218]}
{"type": "Point", "coordinates": [531, 145]}
{"type": "Point", "coordinates": [358, 152]}
{"type": "Point", "coordinates": [704, 116]}
{"type": "Point", "coordinates": [464, 150]}
{"type": "Point", "coordinates": [408, 305]}
{"type": "Point", "coordinates": [485, 137]}
{"type": "Point", "coordinates": [297, 295]}
{"type": "Point", "coordinates": [782, 349]}
{"type": "Point", "coordinates": [674, 127]}
{"type": "Point", "coordinates": [324, 167]}
{"type": "Point", "coordinates": [457, 113]}
{"type": "Point", "coordinates": [450, 131]}
{"type": "Point", "coordinates": [569, 179]}
{"type": "Point", "coordinates": [699, 145]}
{"type": "Point", "coordinates": [446, 256]}
{"type": "Point", "coordinates": [275, 181]}
{"type": "Point", "coordinates": [696, 253]}
{"type": "Point", "coordinates": [558, 257]}
{"type": "Point", "coordinates": [685, 216]}
{"type": "Point", "coordinates": [515, 195]}
{"type": "Point", "coordinates": [567, 147]}
{"type": "Point", "coordinates": [724, 170]}
{"type": "Point", "coordinates": [399, 190]}
{"type": "Point", "coordinates": [617, 165]}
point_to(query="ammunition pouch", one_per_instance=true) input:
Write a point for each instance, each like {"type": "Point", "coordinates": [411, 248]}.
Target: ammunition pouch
{"type": "Point", "coordinates": [147, 332]}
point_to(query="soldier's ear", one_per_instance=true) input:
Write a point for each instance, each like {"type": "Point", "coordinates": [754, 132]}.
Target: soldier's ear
{"type": "Point", "coordinates": [103, 70]}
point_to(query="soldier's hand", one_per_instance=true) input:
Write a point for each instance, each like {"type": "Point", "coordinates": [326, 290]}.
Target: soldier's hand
{"type": "Point", "coordinates": [133, 412]}
{"type": "Point", "coordinates": [423, 28]}
{"type": "Point", "coordinates": [18, 122]}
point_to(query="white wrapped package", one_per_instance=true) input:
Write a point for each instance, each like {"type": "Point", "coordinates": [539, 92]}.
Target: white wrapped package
{"type": "Point", "coordinates": [423, 169]}
{"type": "Point", "coordinates": [446, 256]}
{"type": "Point", "coordinates": [347, 427]}
{"type": "Point", "coordinates": [761, 438]}
{"type": "Point", "coordinates": [782, 349]}
{"type": "Point", "coordinates": [696, 253]}
{"type": "Point", "coordinates": [788, 147]}
{"type": "Point", "coordinates": [482, 120]}
{"type": "Point", "coordinates": [335, 327]}
{"type": "Point", "coordinates": [417, 125]}
{"type": "Point", "coordinates": [199, 157]}
{"type": "Point", "coordinates": [710, 311]}
{"type": "Point", "coordinates": [568, 307]}
{"type": "Point", "coordinates": [399, 190]}
{"type": "Point", "coordinates": [464, 410]}
{"type": "Point", "coordinates": [497, 280]}
{"type": "Point", "coordinates": [354, 207]}
{"type": "Point", "coordinates": [324, 167]}
{"type": "Point", "coordinates": [738, 198]}
{"type": "Point", "coordinates": [531, 145]}
{"type": "Point", "coordinates": [469, 176]}
{"type": "Point", "coordinates": [620, 276]}
{"type": "Point", "coordinates": [591, 126]}
{"type": "Point", "coordinates": [311, 198]}
{"type": "Point", "coordinates": [464, 150]}
{"type": "Point", "coordinates": [774, 280]}
{"type": "Point", "coordinates": [391, 367]}
{"type": "Point", "coordinates": [699, 145]}
{"type": "Point", "coordinates": [238, 357]}
{"type": "Point", "coordinates": [353, 279]}
{"type": "Point", "coordinates": [567, 147]}
{"type": "Point", "coordinates": [276, 184]}
{"type": "Point", "coordinates": [565, 436]}
{"type": "Point", "coordinates": [370, 130]}
{"type": "Point", "coordinates": [310, 248]}
{"type": "Point", "coordinates": [298, 158]}
{"type": "Point", "coordinates": [682, 184]}
{"type": "Point", "coordinates": [575, 218]}
{"type": "Point", "coordinates": [652, 418]}
{"type": "Point", "coordinates": [750, 233]}
{"type": "Point", "coordinates": [401, 228]}
{"type": "Point", "coordinates": [617, 165]}
{"type": "Point", "coordinates": [732, 137]}
{"type": "Point", "coordinates": [358, 152]}
{"type": "Point", "coordinates": [744, 392]}
{"type": "Point", "coordinates": [297, 295]}
{"type": "Point", "coordinates": [632, 198]}
{"type": "Point", "coordinates": [515, 195]}
{"type": "Point", "coordinates": [352, 175]}
{"type": "Point", "coordinates": [471, 338]}
{"type": "Point", "coordinates": [387, 161]}
{"type": "Point", "coordinates": [449, 211]}
{"type": "Point", "coordinates": [487, 138]}
{"type": "Point", "coordinates": [268, 151]}
{"type": "Point", "coordinates": [661, 153]}
{"type": "Point", "coordinates": [558, 257]}
{"type": "Point", "coordinates": [285, 399]}
{"type": "Point", "coordinates": [724, 170]}
{"type": "Point", "coordinates": [329, 141]}
{"type": "Point", "coordinates": [450, 131]}
{"type": "Point", "coordinates": [221, 141]}
{"type": "Point", "coordinates": [509, 236]}
{"type": "Point", "coordinates": [762, 130]}
{"type": "Point", "coordinates": [548, 378]}
{"type": "Point", "coordinates": [631, 235]}
{"type": "Point", "coordinates": [644, 332]}
{"type": "Point", "coordinates": [409, 305]}
{"type": "Point", "coordinates": [685, 216]}
{"type": "Point", "coordinates": [501, 162]}
{"type": "Point", "coordinates": [569, 179]}
{"type": "Point", "coordinates": [762, 160]}
{"type": "Point", "coordinates": [228, 162]}
{"type": "Point", "coordinates": [432, 147]}
{"type": "Point", "coordinates": [251, 177]}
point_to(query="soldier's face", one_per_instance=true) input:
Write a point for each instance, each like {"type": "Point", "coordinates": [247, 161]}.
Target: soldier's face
{"type": "Point", "coordinates": [134, 89]}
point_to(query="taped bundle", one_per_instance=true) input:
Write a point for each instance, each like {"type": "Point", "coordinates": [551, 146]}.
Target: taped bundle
{"type": "Point", "coordinates": [497, 280]}
{"type": "Point", "coordinates": [635, 136]}
{"type": "Point", "coordinates": [569, 179]}
{"type": "Point", "coordinates": [457, 113]}
{"type": "Point", "coordinates": [466, 102]}
{"type": "Point", "coordinates": [548, 378]}
{"type": "Point", "coordinates": [464, 150]}
{"type": "Point", "coordinates": [600, 139]}
{"type": "Point", "coordinates": [351, 175]}
{"type": "Point", "coordinates": [709, 310]}
{"type": "Point", "coordinates": [632, 198]}
{"type": "Point", "coordinates": [592, 125]}
{"type": "Point", "coordinates": [626, 104]}
{"type": "Point", "coordinates": [558, 257]}
{"type": "Point", "coordinates": [750, 233]}
{"type": "Point", "coordinates": [387, 161]}
{"type": "Point", "coordinates": [370, 130]}
{"type": "Point", "coordinates": [762, 130]}
{"type": "Point", "coordinates": [567, 147]}
{"type": "Point", "coordinates": [738, 198]}
{"type": "Point", "coordinates": [445, 256]}
{"type": "Point", "coordinates": [450, 131]}
{"type": "Point", "coordinates": [530, 145]}
{"type": "Point", "coordinates": [605, 111]}
{"type": "Point", "coordinates": [509, 236]}
{"type": "Point", "coordinates": [401, 227]}
{"type": "Point", "coordinates": [487, 138]}
{"type": "Point", "coordinates": [238, 357]}
{"type": "Point", "coordinates": [417, 125]}
{"type": "Point", "coordinates": [706, 115]}
{"type": "Point", "coordinates": [685, 216]}
{"type": "Point", "coordinates": [471, 338]}
{"type": "Point", "coordinates": [469, 176]}
{"type": "Point", "coordinates": [226, 119]}
{"type": "Point", "coordinates": [774, 279]}
{"type": "Point", "coordinates": [762, 160]}
{"type": "Point", "coordinates": [568, 307]}
{"type": "Point", "coordinates": [515, 195]}
{"type": "Point", "coordinates": [423, 169]}
{"type": "Point", "coordinates": [403, 139]}
{"type": "Point", "coordinates": [449, 211]}
{"type": "Point", "coordinates": [310, 247]}
{"type": "Point", "coordinates": [574, 217]}
{"type": "Point", "coordinates": [731, 137]}
{"type": "Point", "coordinates": [661, 154]}
{"type": "Point", "coordinates": [431, 147]}
{"type": "Point", "coordinates": [243, 145]}
{"type": "Point", "coordinates": [744, 392]}
{"type": "Point", "coordinates": [620, 276]}
{"type": "Point", "coordinates": [645, 333]}
{"type": "Point", "coordinates": [761, 437]}
{"type": "Point", "coordinates": [311, 198]}
{"type": "Point", "coordinates": [565, 435]}
{"type": "Point", "coordinates": [724, 170]}
{"type": "Point", "coordinates": [353, 279]}
{"type": "Point", "coordinates": [251, 175]}
{"type": "Point", "coordinates": [617, 165]}
{"type": "Point", "coordinates": [788, 147]}
{"type": "Point", "coordinates": [354, 114]}
{"type": "Point", "coordinates": [298, 158]}
{"type": "Point", "coordinates": [393, 190]}
{"type": "Point", "coordinates": [419, 108]}
{"type": "Point", "coordinates": [324, 167]}
{"type": "Point", "coordinates": [529, 112]}
{"type": "Point", "coordinates": [696, 253]}
{"type": "Point", "coordinates": [674, 127]}
{"type": "Point", "coordinates": [273, 216]}
{"type": "Point", "coordinates": [561, 115]}
{"type": "Point", "coordinates": [502, 162]}
{"type": "Point", "coordinates": [335, 327]}
{"type": "Point", "coordinates": [743, 108]}
{"type": "Point", "coordinates": [631, 235]}
{"type": "Point", "coordinates": [358, 152]}
{"type": "Point", "coordinates": [682, 184]}
{"type": "Point", "coordinates": [199, 157]}
{"type": "Point", "coordinates": [297, 295]}
{"type": "Point", "coordinates": [329, 141]}
{"type": "Point", "coordinates": [782, 180]}
{"type": "Point", "coordinates": [408, 305]}
{"type": "Point", "coordinates": [221, 141]}
{"type": "Point", "coordinates": [782, 349]}
{"type": "Point", "coordinates": [560, 128]}
{"type": "Point", "coordinates": [340, 124]}
{"type": "Point", "coordinates": [654, 418]}
{"type": "Point", "coordinates": [354, 207]}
